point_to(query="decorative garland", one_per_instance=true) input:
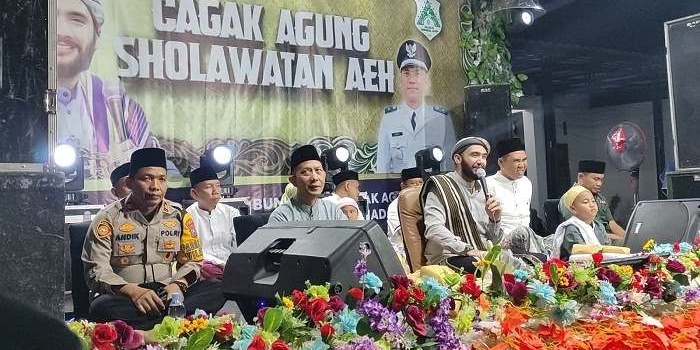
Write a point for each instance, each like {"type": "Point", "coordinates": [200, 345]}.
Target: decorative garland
{"type": "Point", "coordinates": [558, 305]}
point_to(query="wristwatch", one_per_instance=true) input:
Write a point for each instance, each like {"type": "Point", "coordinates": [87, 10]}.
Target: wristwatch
{"type": "Point", "coordinates": [182, 285]}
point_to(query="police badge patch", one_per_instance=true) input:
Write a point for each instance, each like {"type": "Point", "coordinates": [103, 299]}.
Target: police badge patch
{"type": "Point", "coordinates": [428, 19]}
{"type": "Point", "coordinates": [171, 223]}
{"type": "Point", "coordinates": [104, 229]}
{"type": "Point", "coordinates": [127, 227]}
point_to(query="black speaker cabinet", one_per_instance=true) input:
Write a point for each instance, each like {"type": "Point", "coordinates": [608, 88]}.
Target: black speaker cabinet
{"type": "Point", "coordinates": [683, 65]}
{"type": "Point", "coordinates": [280, 257]}
{"type": "Point", "coordinates": [666, 221]}
{"type": "Point", "coordinates": [488, 114]}
{"type": "Point", "coordinates": [683, 184]}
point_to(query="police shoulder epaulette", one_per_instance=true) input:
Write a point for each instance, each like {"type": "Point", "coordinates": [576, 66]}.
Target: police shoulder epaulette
{"type": "Point", "coordinates": [390, 109]}
{"type": "Point", "coordinates": [441, 109]}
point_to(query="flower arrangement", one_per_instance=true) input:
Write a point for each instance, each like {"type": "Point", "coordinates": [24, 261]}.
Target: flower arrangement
{"type": "Point", "coordinates": [558, 305]}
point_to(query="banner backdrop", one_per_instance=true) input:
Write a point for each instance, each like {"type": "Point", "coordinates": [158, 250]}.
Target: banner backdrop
{"type": "Point", "coordinates": [260, 76]}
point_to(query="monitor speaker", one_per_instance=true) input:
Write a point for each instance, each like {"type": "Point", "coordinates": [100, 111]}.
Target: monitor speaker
{"type": "Point", "coordinates": [281, 257]}
{"type": "Point", "coordinates": [665, 221]}
{"type": "Point", "coordinates": [683, 66]}
{"type": "Point", "coordinates": [488, 114]}
{"type": "Point", "coordinates": [683, 184]}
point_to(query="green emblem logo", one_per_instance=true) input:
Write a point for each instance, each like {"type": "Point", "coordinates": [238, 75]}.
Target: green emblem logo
{"type": "Point", "coordinates": [428, 18]}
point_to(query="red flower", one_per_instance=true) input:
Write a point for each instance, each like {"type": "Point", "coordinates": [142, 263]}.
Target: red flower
{"type": "Point", "coordinates": [225, 331]}
{"type": "Point", "coordinates": [676, 247]}
{"type": "Point", "coordinates": [597, 258]}
{"type": "Point", "coordinates": [609, 275]}
{"type": "Point", "coordinates": [316, 309]}
{"type": "Point", "coordinates": [400, 281]}
{"type": "Point", "coordinates": [516, 290]}
{"type": "Point", "coordinates": [675, 266]}
{"type": "Point", "coordinates": [470, 287]}
{"type": "Point", "coordinates": [654, 259]}
{"type": "Point", "coordinates": [417, 294]}
{"type": "Point", "coordinates": [336, 304]}
{"type": "Point", "coordinates": [257, 344]}
{"type": "Point", "coordinates": [327, 331]}
{"type": "Point", "coordinates": [415, 319]}
{"type": "Point", "coordinates": [653, 287]}
{"type": "Point", "coordinates": [104, 336]}
{"type": "Point", "coordinates": [560, 264]}
{"type": "Point", "coordinates": [400, 298]}
{"type": "Point", "coordinates": [356, 293]}
{"type": "Point", "coordinates": [299, 298]}
{"type": "Point", "coordinates": [279, 345]}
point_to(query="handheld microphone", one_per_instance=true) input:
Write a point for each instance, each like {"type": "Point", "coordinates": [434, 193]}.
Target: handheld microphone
{"type": "Point", "coordinates": [481, 173]}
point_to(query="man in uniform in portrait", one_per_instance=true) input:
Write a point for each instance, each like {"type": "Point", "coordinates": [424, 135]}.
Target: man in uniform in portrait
{"type": "Point", "coordinates": [413, 124]}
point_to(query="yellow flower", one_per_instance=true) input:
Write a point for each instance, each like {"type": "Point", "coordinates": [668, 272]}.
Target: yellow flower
{"type": "Point", "coordinates": [649, 245]}
{"type": "Point", "coordinates": [199, 323]}
{"type": "Point", "coordinates": [287, 302]}
{"type": "Point", "coordinates": [184, 326]}
{"type": "Point", "coordinates": [482, 263]}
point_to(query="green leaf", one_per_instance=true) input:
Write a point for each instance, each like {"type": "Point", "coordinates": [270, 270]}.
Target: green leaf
{"type": "Point", "coordinates": [273, 319]}
{"type": "Point", "coordinates": [554, 275]}
{"type": "Point", "coordinates": [200, 340]}
{"type": "Point", "coordinates": [521, 77]}
{"type": "Point", "coordinates": [682, 279]}
{"type": "Point", "coordinates": [496, 280]}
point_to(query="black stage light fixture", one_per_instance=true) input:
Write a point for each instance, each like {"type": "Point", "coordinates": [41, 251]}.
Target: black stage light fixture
{"type": "Point", "coordinates": [220, 158]}
{"type": "Point", "coordinates": [429, 158]}
{"type": "Point", "coordinates": [335, 158]}
{"type": "Point", "coordinates": [68, 161]}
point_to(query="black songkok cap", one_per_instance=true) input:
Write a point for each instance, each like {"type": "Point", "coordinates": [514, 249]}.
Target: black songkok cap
{"type": "Point", "coordinates": [118, 173]}
{"type": "Point", "coordinates": [146, 157]}
{"type": "Point", "coordinates": [302, 154]}
{"type": "Point", "coordinates": [345, 176]}
{"type": "Point", "coordinates": [413, 53]}
{"type": "Point", "coordinates": [410, 173]}
{"type": "Point", "coordinates": [202, 174]}
{"type": "Point", "coordinates": [511, 145]}
{"type": "Point", "coordinates": [591, 166]}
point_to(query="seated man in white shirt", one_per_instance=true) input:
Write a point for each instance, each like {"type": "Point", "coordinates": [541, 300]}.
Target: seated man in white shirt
{"type": "Point", "coordinates": [410, 177]}
{"type": "Point", "coordinates": [213, 221]}
{"type": "Point", "coordinates": [347, 184]}
{"type": "Point", "coordinates": [515, 192]}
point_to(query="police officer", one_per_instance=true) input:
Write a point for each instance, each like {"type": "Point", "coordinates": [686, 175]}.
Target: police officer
{"type": "Point", "coordinates": [131, 245]}
{"type": "Point", "coordinates": [412, 125]}
{"type": "Point", "coordinates": [590, 175]}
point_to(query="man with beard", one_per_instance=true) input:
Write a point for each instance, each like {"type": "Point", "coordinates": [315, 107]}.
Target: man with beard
{"type": "Point", "coordinates": [94, 115]}
{"type": "Point", "coordinates": [461, 224]}
{"type": "Point", "coordinates": [131, 246]}
{"type": "Point", "coordinates": [412, 125]}
{"type": "Point", "coordinates": [308, 177]}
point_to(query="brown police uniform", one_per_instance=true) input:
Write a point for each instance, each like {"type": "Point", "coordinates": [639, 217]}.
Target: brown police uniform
{"type": "Point", "coordinates": [122, 247]}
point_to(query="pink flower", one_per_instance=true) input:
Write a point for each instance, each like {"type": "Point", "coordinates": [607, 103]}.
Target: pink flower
{"type": "Point", "coordinates": [128, 338]}
{"type": "Point", "coordinates": [416, 319]}
{"type": "Point", "coordinates": [336, 303]}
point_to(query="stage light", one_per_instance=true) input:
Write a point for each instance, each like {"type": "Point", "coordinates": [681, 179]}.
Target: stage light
{"type": "Point", "coordinates": [220, 159]}
{"type": "Point", "coordinates": [526, 17]}
{"type": "Point", "coordinates": [70, 163]}
{"type": "Point", "coordinates": [429, 158]}
{"type": "Point", "coordinates": [65, 156]}
{"type": "Point", "coordinates": [222, 155]}
{"type": "Point", "coordinates": [533, 5]}
{"type": "Point", "coordinates": [518, 14]}
{"type": "Point", "coordinates": [335, 158]}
